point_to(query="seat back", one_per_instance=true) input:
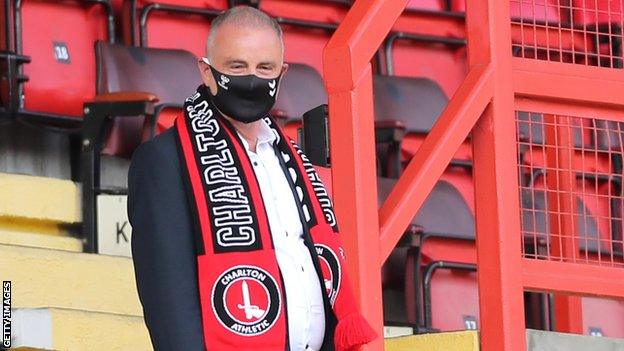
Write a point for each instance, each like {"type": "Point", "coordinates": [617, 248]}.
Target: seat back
{"type": "Point", "coordinates": [432, 5]}
{"type": "Point", "coordinates": [592, 12]}
{"type": "Point", "coordinates": [608, 135]}
{"type": "Point", "coordinates": [454, 300]}
{"type": "Point", "coordinates": [445, 213]}
{"type": "Point", "coordinates": [301, 90]}
{"type": "Point", "coordinates": [303, 23]}
{"type": "Point", "coordinates": [417, 102]}
{"type": "Point", "coordinates": [531, 128]}
{"type": "Point", "coordinates": [170, 24]}
{"type": "Point", "coordinates": [444, 64]}
{"type": "Point", "coordinates": [171, 75]}
{"type": "Point", "coordinates": [603, 317]}
{"type": "Point", "coordinates": [553, 12]}
{"type": "Point", "coordinates": [62, 68]}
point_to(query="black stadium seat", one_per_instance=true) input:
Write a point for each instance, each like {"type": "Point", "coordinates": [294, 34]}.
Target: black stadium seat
{"type": "Point", "coordinates": [132, 82]}
{"type": "Point", "coordinates": [416, 103]}
{"type": "Point", "coordinates": [301, 90]}
{"type": "Point", "coordinates": [130, 69]}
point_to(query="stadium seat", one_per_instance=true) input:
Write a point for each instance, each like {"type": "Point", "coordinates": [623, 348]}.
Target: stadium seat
{"type": "Point", "coordinates": [608, 135]}
{"type": "Point", "coordinates": [603, 317]}
{"type": "Point", "coordinates": [447, 256]}
{"type": "Point", "coordinates": [322, 11]}
{"type": "Point", "coordinates": [130, 69]}
{"type": "Point", "coordinates": [444, 278]}
{"type": "Point", "coordinates": [431, 5]}
{"type": "Point", "coordinates": [440, 59]}
{"type": "Point", "coordinates": [592, 12]}
{"type": "Point", "coordinates": [544, 29]}
{"type": "Point", "coordinates": [307, 26]}
{"type": "Point", "coordinates": [416, 103]}
{"type": "Point", "coordinates": [61, 72]}
{"type": "Point", "coordinates": [301, 90]}
{"type": "Point", "coordinates": [133, 82]}
{"type": "Point", "coordinates": [592, 217]}
{"type": "Point", "coordinates": [171, 24]}
{"type": "Point", "coordinates": [531, 129]}
{"type": "Point", "coordinates": [539, 11]}
{"type": "Point", "coordinates": [603, 20]}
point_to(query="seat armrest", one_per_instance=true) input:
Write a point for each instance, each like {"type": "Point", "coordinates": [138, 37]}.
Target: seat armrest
{"type": "Point", "coordinates": [389, 130]}
{"type": "Point", "coordinates": [125, 96]}
{"type": "Point", "coordinates": [127, 103]}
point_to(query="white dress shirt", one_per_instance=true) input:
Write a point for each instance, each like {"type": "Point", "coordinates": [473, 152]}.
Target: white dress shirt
{"type": "Point", "coordinates": [306, 316]}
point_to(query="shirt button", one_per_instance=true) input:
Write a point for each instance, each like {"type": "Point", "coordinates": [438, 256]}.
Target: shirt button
{"type": "Point", "coordinates": [255, 163]}
{"type": "Point", "coordinates": [302, 269]}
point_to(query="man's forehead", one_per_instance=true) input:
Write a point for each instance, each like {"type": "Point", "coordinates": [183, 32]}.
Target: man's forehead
{"type": "Point", "coordinates": [247, 45]}
{"type": "Point", "coordinates": [243, 29]}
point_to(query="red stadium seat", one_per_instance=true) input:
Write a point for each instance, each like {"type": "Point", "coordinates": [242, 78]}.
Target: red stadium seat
{"type": "Point", "coordinates": [604, 22]}
{"type": "Point", "coordinates": [307, 26]}
{"type": "Point", "coordinates": [444, 62]}
{"type": "Point", "coordinates": [458, 5]}
{"type": "Point", "coordinates": [603, 317]}
{"type": "Point", "coordinates": [323, 11]}
{"type": "Point", "coordinates": [593, 233]}
{"type": "Point", "coordinates": [591, 12]}
{"type": "Point", "coordinates": [539, 11]}
{"type": "Point", "coordinates": [445, 261]}
{"type": "Point", "coordinates": [447, 257]}
{"type": "Point", "coordinates": [544, 29]}
{"type": "Point", "coordinates": [172, 24]}
{"type": "Point", "coordinates": [61, 72]}
{"type": "Point", "coordinates": [432, 5]}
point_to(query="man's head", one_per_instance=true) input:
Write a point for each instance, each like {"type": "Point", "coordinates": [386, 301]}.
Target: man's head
{"type": "Point", "coordinates": [243, 41]}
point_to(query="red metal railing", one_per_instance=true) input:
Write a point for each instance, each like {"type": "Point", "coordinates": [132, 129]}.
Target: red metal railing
{"type": "Point", "coordinates": [557, 73]}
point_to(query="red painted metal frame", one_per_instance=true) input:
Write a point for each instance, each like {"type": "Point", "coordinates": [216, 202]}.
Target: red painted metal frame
{"type": "Point", "coordinates": [484, 104]}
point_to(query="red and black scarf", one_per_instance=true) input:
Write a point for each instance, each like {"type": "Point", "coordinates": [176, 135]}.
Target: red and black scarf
{"type": "Point", "coordinates": [241, 290]}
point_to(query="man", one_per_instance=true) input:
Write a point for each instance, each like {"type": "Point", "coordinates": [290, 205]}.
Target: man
{"type": "Point", "coordinates": [234, 247]}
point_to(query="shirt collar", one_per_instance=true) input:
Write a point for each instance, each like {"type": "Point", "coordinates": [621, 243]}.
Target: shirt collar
{"type": "Point", "coordinates": [265, 135]}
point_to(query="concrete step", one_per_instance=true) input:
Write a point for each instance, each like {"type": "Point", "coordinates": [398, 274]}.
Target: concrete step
{"type": "Point", "coordinates": [451, 341]}
{"type": "Point", "coordinates": [538, 340]}
{"type": "Point", "coordinates": [56, 242]}
{"type": "Point", "coordinates": [72, 280]}
{"type": "Point", "coordinates": [67, 329]}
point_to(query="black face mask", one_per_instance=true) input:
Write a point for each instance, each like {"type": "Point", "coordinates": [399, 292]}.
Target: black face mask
{"type": "Point", "coordinates": [244, 98]}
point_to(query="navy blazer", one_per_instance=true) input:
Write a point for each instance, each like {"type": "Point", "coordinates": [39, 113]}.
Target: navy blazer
{"type": "Point", "coordinates": [163, 248]}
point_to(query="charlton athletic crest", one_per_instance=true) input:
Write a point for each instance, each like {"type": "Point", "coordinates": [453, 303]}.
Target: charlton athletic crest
{"type": "Point", "coordinates": [331, 268]}
{"type": "Point", "coordinates": [246, 300]}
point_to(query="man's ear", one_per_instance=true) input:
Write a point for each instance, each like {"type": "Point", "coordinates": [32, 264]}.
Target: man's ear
{"type": "Point", "coordinates": [284, 69]}
{"type": "Point", "coordinates": [206, 76]}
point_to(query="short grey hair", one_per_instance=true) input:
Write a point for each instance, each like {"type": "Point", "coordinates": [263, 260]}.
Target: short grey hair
{"type": "Point", "coordinates": [243, 16]}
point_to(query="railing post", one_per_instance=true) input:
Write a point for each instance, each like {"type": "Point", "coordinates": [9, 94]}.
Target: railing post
{"type": "Point", "coordinates": [496, 183]}
{"type": "Point", "coordinates": [562, 207]}
{"type": "Point", "coordinates": [348, 78]}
